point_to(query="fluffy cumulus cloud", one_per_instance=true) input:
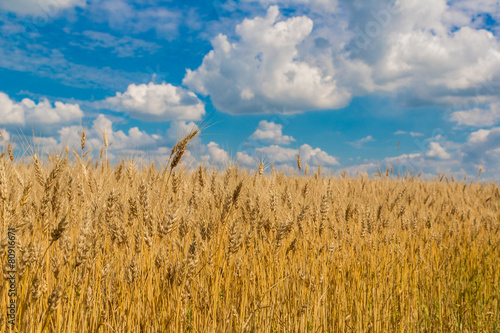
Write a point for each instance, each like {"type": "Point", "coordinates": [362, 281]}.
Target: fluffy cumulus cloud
{"type": "Point", "coordinates": [118, 140]}
{"type": "Point", "coordinates": [270, 132]}
{"type": "Point", "coordinates": [481, 136]}
{"type": "Point", "coordinates": [261, 71]}
{"type": "Point", "coordinates": [478, 117]}
{"type": "Point", "coordinates": [316, 156]}
{"type": "Point", "coordinates": [217, 155]}
{"type": "Point", "coordinates": [426, 52]}
{"type": "Point", "coordinates": [437, 151]}
{"type": "Point", "coordinates": [246, 160]}
{"type": "Point", "coordinates": [131, 142]}
{"type": "Point", "coordinates": [28, 112]}
{"type": "Point", "coordinates": [309, 155]}
{"type": "Point", "coordinates": [482, 149]}
{"type": "Point", "coordinates": [436, 154]}
{"type": "Point", "coordinates": [363, 168]}
{"type": "Point", "coordinates": [474, 12]}
{"type": "Point", "coordinates": [48, 8]}
{"type": "Point", "coordinates": [267, 144]}
{"type": "Point", "coordinates": [316, 5]}
{"type": "Point", "coordinates": [277, 154]}
{"type": "Point", "coordinates": [158, 102]}
{"type": "Point", "coordinates": [5, 136]}
{"type": "Point", "coordinates": [423, 50]}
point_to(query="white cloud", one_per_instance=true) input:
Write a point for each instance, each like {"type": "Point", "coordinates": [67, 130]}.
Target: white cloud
{"type": "Point", "coordinates": [48, 8]}
{"type": "Point", "coordinates": [131, 142]}
{"type": "Point", "coordinates": [246, 160]}
{"type": "Point", "coordinates": [419, 53]}
{"type": "Point", "coordinates": [217, 155]}
{"type": "Point", "coordinates": [45, 144]}
{"type": "Point", "coordinates": [413, 134]}
{"type": "Point", "coordinates": [158, 102]}
{"type": "Point", "coordinates": [436, 150]}
{"type": "Point", "coordinates": [481, 149]}
{"type": "Point", "coordinates": [262, 70]}
{"type": "Point", "coordinates": [412, 163]}
{"type": "Point", "coordinates": [270, 132]}
{"type": "Point", "coordinates": [29, 112]}
{"type": "Point", "coordinates": [359, 143]}
{"type": "Point", "coordinates": [278, 154]}
{"type": "Point", "coordinates": [316, 5]}
{"type": "Point", "coordinates": [365, 168]}
{"type": "Point", "coordinates": [10, 112]}
{"type": "Point", "coordinates": [485, 138]}
{"type": "Point", "coordinates": [404, 158]}
{"type": "Point", "coordinates": [471, 12]}
{"type": "Point", "coordinates": [478, 117]}
{"type": "Point", "coordinates": [179, 129]}
{"type": "Point", "coordinates": [118, 140]}
{"type": "Point", "coordinates": [479, 136]}
{"type": "Point", "coordinates": [316, 156]}
{"type": "Point", "coordinates": [5, 137]}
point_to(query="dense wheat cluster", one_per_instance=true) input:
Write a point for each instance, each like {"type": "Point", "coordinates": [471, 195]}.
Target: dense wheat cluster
{"type": "Point", "coordinates": [140, 248]}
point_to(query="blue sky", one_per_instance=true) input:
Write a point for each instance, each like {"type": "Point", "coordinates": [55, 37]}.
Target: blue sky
{"type": "Point", "coordinates": [340, 82]}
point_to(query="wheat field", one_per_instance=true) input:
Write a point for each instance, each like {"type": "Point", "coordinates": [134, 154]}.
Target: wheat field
{"type": "Point", "coordinates": [149, 248]}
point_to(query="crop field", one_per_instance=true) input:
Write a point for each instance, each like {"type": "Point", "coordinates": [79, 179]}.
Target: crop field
{"type": "Point", "coordinates": [95, 247]}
